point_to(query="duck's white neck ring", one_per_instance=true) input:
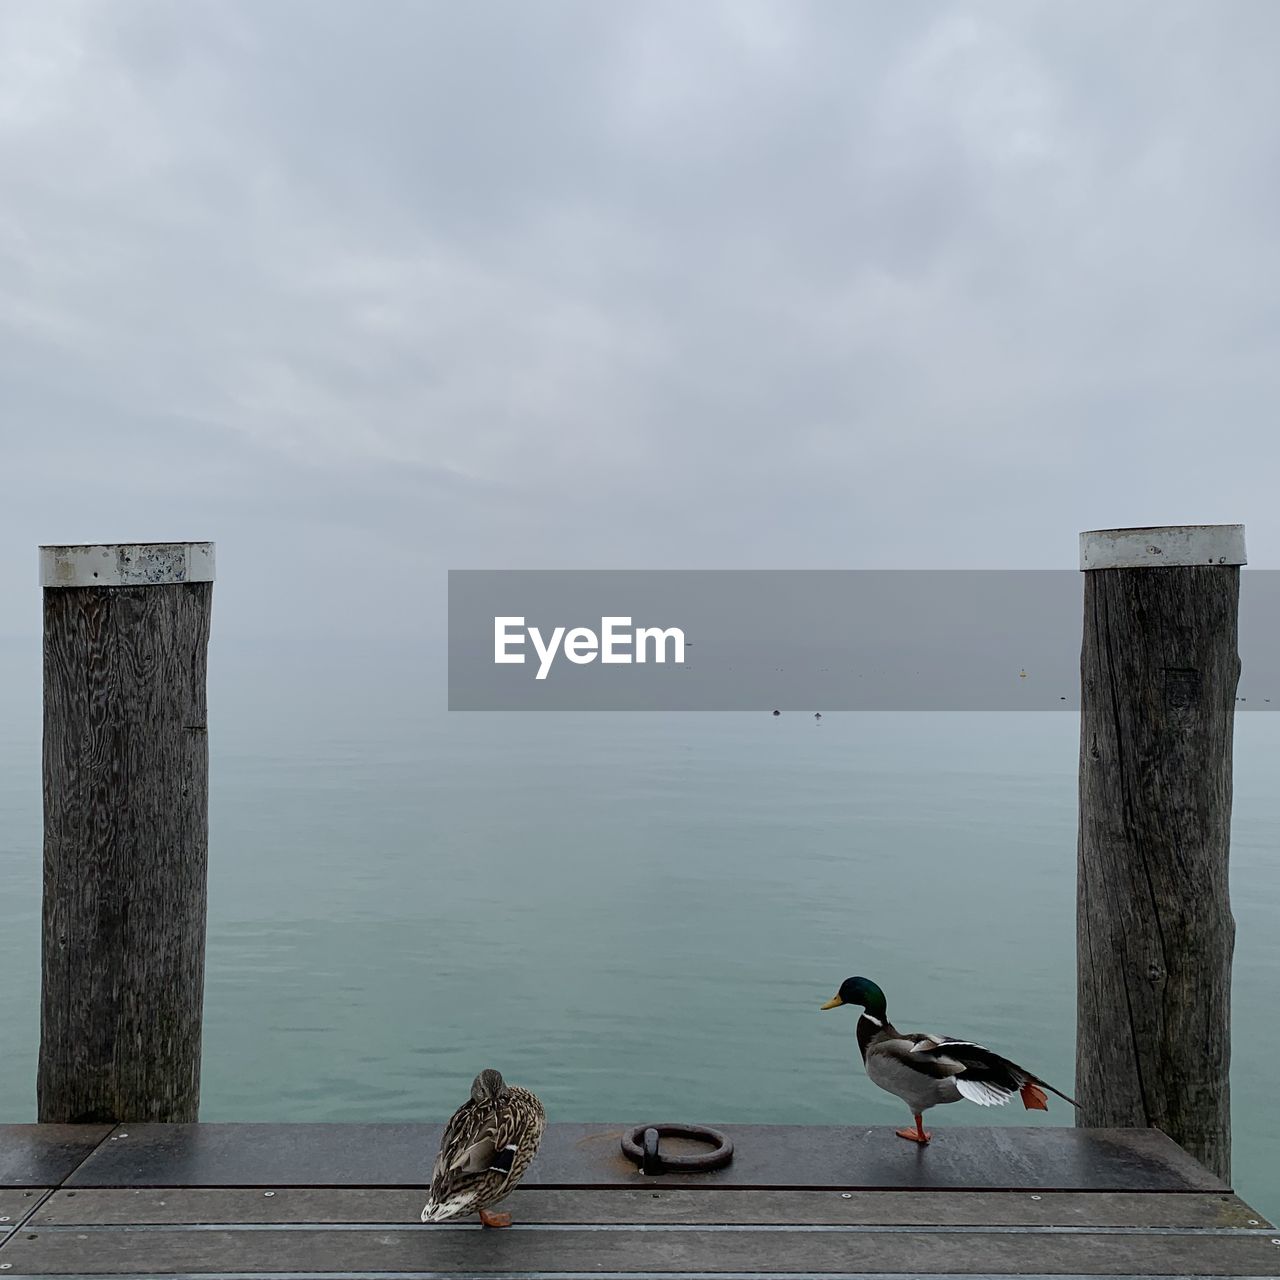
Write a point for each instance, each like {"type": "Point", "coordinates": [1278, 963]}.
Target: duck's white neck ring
{"type": "Point", "coordinates": [875, 1022]}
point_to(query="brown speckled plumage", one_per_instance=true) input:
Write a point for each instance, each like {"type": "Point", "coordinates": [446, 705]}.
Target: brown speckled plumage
{"type": "Point", "coordinates": [487, 1147]}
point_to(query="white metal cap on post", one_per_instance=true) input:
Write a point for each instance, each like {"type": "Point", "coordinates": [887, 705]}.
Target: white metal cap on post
{"type": "Point", "coordinates": [1163, 546]}
{"type": "Point", "coordinates": [126, 564]}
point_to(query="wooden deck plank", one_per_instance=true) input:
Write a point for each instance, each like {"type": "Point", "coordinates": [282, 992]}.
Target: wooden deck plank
{"type": "Point", "coordinates": [16, 1204]}
{"type": "Point", "coordinates": [454, 1250]}
{"type": "Point", "coordinates": [44, 1155]}
{"type": "Point", "coordinates": [797, 1157]}
{"type": "Point", "coordinates": [16, 1207]}
{"type": "Point", "coordinates": [176, 1206]}
{"type": "Point", "coordinates": [176, 1201]}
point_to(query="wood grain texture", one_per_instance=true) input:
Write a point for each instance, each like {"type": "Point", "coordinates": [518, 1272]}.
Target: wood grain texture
{"type": "Point", "coordinates": [125, 852]}
{"type": "Point", "coordinates": [170, 1223]}
{"type": "Point", "coordinates": [176, 1206]}
{"type": "Point", "coordinates": [1155, 934]}
{"type": "Point", "coordinates": [17, 1206]}
{"type": "Point", "coordinates": [460, 1250]}
{"type": "Point", "coordinates": [1008, 1158]}
{"type": "Point", "coordinates": [43, 1155]}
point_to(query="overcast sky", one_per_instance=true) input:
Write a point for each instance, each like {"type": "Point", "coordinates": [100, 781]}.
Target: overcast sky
{"type": "Point", "coordinates": [366, 291]}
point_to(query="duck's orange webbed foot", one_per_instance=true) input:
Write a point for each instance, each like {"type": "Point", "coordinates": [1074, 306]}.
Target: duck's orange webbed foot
{"type": "Point", "coordinates": [917, 1134]}
{"type": "Point", "coordinates": [1034, 1098]}
{"type": "Point", "coordinates": [495, 1219]}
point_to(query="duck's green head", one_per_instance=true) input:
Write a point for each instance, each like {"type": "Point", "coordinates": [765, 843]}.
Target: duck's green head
{"type": "Point", "coordinates": [859, 991]}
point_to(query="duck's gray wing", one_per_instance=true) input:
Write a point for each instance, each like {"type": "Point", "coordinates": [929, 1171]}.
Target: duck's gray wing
{"type": "Point", "coordinates": [915, 1050]}
{"type": "Point", "coordinates": [981, 1076]}
{"type": "Point", "coordinates": [899, 1056]}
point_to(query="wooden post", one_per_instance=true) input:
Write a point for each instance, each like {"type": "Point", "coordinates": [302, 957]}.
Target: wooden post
{"type": "Point", "coordinates": [1154, 927]}
{"type": "Point", "coordinates": [126, 823]}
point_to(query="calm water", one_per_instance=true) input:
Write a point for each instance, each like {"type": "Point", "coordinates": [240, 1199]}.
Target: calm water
{"type": "Point", "coordinates": [636, 915]}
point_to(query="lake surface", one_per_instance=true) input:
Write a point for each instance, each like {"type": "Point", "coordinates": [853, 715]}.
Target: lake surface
{"type": "Point", "coordinates": [636, 915]}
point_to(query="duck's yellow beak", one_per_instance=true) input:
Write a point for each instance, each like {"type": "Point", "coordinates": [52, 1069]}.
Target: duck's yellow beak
{"type": "Point", "coordinates": [834, 1003]}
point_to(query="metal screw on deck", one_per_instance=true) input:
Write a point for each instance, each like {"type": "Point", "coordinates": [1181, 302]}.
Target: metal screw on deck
{"type": "Point", "coordinates": [126, 822]}
{"type": "Point", "coordinates": [1155, 933]}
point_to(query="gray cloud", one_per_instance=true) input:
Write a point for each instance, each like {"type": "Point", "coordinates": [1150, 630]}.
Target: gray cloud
{"type": "Point", "coordinates": [364, 293]}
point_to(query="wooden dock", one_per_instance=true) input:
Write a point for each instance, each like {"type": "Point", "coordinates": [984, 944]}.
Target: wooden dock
{"type": "Point", "coordinates": [301, 1201]}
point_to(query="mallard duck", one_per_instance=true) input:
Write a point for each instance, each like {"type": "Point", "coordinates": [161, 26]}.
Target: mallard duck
{"type": "Point", "coordinates": [925, 1070]}
{"type": "Point", "coordinates": [488, 1144]}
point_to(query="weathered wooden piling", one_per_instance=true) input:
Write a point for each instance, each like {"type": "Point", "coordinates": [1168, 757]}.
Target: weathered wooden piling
{"type": "Point", "coordinates": [1155, 933]}
{"type": "Point", "coordinates": [126, 629]}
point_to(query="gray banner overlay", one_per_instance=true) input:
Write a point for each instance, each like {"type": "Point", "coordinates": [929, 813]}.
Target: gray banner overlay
{"type": "Point", "coordinates": [794, 640]}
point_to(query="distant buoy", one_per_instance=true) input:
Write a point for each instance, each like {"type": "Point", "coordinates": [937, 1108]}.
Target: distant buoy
{"type": "Point", "coordinates": [777, 713]}
{"type": "Point", "coordinates": [1022, 675]}
{"type": "Point", "coordinates": [817, 715]}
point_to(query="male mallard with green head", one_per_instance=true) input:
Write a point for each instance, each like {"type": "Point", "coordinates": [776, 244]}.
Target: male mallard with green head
{"type": "Point", "coordinates": [488, 1144]}
{"type": "Point", "coordinates": [925, 1070]}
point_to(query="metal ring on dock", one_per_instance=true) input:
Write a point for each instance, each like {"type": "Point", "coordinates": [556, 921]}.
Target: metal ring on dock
{"type": "Point", "coordinates": [640, 1145]}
